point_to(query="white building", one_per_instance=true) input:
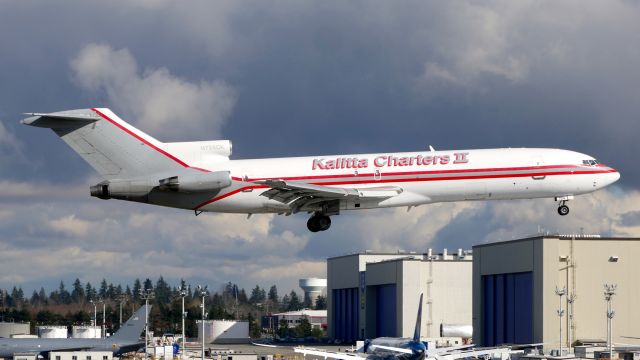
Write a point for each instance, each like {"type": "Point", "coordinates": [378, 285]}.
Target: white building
{"type": "Point", "coordinates": [224, 331]}
{"type": "Point", "coordinates": [81, 355]}
{"type": "Point", "coordinates": [377, 294]}
{"type": "Point", "coordinates": [317, 318]}
{"type": "Point", "coordinates": [9, 329]}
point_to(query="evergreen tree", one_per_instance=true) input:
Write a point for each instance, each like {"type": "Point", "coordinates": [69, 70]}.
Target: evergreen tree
{"type": "Point", "coordinates": [137, 286]}
{"type": "Point", "coordinates": [148, 284]}
{"type": "Point", "coordinates": [77, 294]}
{"type": "Point", "coordinates": [321, 303]}
{"type": "Point", "coordinates": [63, 295]}
{"type": "Point", "coordinates": [163, 291]}
{"type": "Point", "coordinates": [90, 292]}
{"type": "Point", "coordinates": [294, 302]}
{"type": "Point", "coordinates": [257, 296]}
{"type": "Point", "coordinates": [43, 296]}
{"type": "Point", "coordinates": [103, 289]}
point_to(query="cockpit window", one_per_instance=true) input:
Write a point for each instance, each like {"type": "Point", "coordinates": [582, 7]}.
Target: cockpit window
{"type": "Point", "coordinates": [590, 162]}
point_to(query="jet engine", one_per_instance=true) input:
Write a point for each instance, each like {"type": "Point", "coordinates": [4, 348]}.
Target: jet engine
{"type": "Point", "coordinates": [200, 182]}
{"type": "Point", "coordinates": [138, 190]}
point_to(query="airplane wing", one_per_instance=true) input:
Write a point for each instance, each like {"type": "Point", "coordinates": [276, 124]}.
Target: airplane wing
{"type": "Point", "coordinates": [394, 349]}
{"type": "Point", "coordinates": [300, 194]}
{"type": "Point", "coordinates": [327, 354]}
{"type": "Point", "coordinates": [477, 353]}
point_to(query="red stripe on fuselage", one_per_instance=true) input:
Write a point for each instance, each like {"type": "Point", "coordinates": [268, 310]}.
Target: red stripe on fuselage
{"type": "Point", "coordinates": [444, 178]}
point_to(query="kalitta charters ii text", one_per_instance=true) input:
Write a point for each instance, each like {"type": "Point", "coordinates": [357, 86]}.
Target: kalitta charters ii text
{"type": "Point", "coordinates": [389, 161]}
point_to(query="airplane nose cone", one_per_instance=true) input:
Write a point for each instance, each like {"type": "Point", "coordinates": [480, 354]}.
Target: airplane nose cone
{"type": "Point", "coordinates": [612, 177]}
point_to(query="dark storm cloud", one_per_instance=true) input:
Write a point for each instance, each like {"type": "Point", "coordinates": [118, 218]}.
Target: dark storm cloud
{"type": "Point", "coordinates": [309, 78]}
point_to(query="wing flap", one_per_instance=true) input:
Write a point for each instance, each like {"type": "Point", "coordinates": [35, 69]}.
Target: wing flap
{"type": "Point", "coordinates": [287, 192]}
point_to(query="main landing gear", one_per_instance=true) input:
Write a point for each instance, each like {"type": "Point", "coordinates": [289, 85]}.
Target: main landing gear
{"type": "Point", "coordinates": [563, 209]}
{"type": "Point", "coordinates": [318, 222]}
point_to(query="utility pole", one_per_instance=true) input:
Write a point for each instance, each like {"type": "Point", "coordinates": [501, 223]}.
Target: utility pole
{"type": "Point", "coordinates": [103, 328]}
{"type": "Point", "coordinates": [609, 291]}
{"type": "Point", "coordinates": [183, 294]}
{"type": "Point", "coordinates": [561, 293]}
{"type": "Point", "coordinates": [121, 299]}
{"type": "Point", "coordinates": [146, 295]}
{"type": "Point", "coordinates": [571, 298]}
{"type": "Point", "coordinates": [203, 293]}
{"type": "Point", "coordinates": [95, 313]}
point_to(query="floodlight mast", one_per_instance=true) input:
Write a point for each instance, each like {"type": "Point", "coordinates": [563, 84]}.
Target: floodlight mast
{"type": "Point", "coordinates": [561, 293]}
{"type": "Point", "coordinates": [146, 294]}
{"type": "Point", "coordinates": [203, 293]}
{"type": "Point", "coordinates": [609, 291]}
{"type": "Point", "coordinates": [183, 294]}
{"type": "Point", "coordinates": [95, 314]}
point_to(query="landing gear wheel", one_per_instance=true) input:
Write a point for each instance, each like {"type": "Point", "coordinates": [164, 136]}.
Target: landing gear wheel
{"type": "Point", "coordinates": [563, 210]}
{"type": "Point", "coordinates": [318, 222]}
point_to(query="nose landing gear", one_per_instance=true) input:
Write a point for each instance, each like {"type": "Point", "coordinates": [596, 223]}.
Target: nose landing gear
{"type": "Point", "coordinates": [318, 222]}
{"type": "Point", "coordinates": [563, 209]}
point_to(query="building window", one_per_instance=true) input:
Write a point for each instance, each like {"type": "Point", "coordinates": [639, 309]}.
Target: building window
{"type": "Point", "coordinates": [105, 357]}
{"type": "Point", "coordinates": [74, 357]}
{"type": "Point", "coordinates": [57, 357]}
{"type": "Point", "coordinates": [88, 357]}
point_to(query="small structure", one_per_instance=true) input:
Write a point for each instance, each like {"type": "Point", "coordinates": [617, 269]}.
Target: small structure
{"type": "Point", "coordinates": [8, 329]}
{"type": "Point", "coordinates": [80, 355]}
{"type": "Point", "coordinates": [317, 318]}
{"type": "Point", "coordinates": [52, 332]}
{"type": "Point", "coordinates": [86, 332]}
{"type": "Point", "coordinates": [224, 331]}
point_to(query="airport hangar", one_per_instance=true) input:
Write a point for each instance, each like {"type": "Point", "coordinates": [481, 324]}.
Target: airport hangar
{"type": "Point", "coordinates": [514, 290]}
{"type": "Point", "coordinates": [506, 289]}
{"type": "Point", "coordinates": [372, 295]}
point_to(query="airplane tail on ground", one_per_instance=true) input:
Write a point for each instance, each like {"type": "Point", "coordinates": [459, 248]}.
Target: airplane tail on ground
{"type": "Point", "coordinates": [416, 333]}
{"type": "Point", "coordinates": [130, 331]}
{"type": "Point", "coordinates": [111, 146]}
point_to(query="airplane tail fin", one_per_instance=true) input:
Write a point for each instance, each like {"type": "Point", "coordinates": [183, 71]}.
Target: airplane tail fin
{"type": "Point", "coordinates": [111, 146]}
{"type": "Point", "coordinates": [416, 333]}
{"type": "Point", "coordinates": [130, 331]}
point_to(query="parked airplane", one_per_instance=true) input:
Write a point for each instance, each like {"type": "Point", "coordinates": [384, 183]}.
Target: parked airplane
{"type": "Point", "coordinates": [200, 176]}
{"type": "Point", "coordinates": [392, 348]}
{"type": "Point", "coordinates": [126, 339]}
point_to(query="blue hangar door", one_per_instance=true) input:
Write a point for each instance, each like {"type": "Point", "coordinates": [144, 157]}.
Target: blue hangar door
{"type": "Point", "coordinates": [507, 309]}
{"type": "Point", "coordinates": [386, 310]}
{"type": "Point", "coordinates": [346, 314]}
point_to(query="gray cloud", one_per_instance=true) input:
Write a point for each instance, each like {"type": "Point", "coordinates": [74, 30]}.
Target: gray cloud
{"type": "Point", "coordinates": [156, 100]}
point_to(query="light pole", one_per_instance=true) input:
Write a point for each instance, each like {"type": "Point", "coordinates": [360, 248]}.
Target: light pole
{"type": "Point", "coordinates": [102, 327]}
{"type": "Point", "coordinates": [570, 299]}
{"type": "Point", "coordinates": [609, 291]}
{"type": "Point", "coordinates": [203, 293]}
{"type": "Point", "coordinates": [121, 299]}
{"type": "Point", "coordinates": [146, 294]}
{"type": "Point", "coordinates": [183, 294]}
{"type": "Point", "coordinates": [95, 312]}
{"type": "Point", "coordinates": [560, 293]}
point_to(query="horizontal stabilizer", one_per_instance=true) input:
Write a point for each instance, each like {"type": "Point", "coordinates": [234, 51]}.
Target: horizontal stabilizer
{"type": "Point", "coordinates": [62, 119]}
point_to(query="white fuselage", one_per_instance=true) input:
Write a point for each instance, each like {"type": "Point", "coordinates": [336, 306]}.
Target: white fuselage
{"type": "Point", "coordinates": [424, 177]}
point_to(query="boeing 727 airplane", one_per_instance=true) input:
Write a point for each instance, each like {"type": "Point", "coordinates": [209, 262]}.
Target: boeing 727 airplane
{"type": "Point", "coordinates": [200, 176]}
{"type": "Point", "coordinates": [126, 339]}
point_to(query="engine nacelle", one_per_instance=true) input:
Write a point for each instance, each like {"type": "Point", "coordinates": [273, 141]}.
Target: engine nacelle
{"type": "Point", "coordinates": [135, 190]}
{"type": "Point", "coordinates": [199, 182]}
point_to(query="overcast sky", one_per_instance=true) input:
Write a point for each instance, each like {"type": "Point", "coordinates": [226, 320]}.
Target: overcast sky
{"type": "Point", "coordinates": [288, 78]}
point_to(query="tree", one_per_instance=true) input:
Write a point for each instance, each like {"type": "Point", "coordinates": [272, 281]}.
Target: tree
{"type": "Point", "coordinates": [137, 286]}
{"type": "Point", "coordinates": [294, 302]}
{"type": "Point", "coordinates": [104, 288]}
{"type": "Point", "coordinates": [163, 291]}
{"type": "Point", "coordinates": [273, 294]}
{"type": "Point", "coordinates": [283, 328]}
{"type": "Point", "coordinates": [304, 328]}
{"type": "Point", "coordinates": [321, 303]}
{"type": "Point", "coordinates": [257, 295]}
{"type": "Point", "coordinates": [77, 294]}
{"type": "Point", "coordinates": [90, 292]}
